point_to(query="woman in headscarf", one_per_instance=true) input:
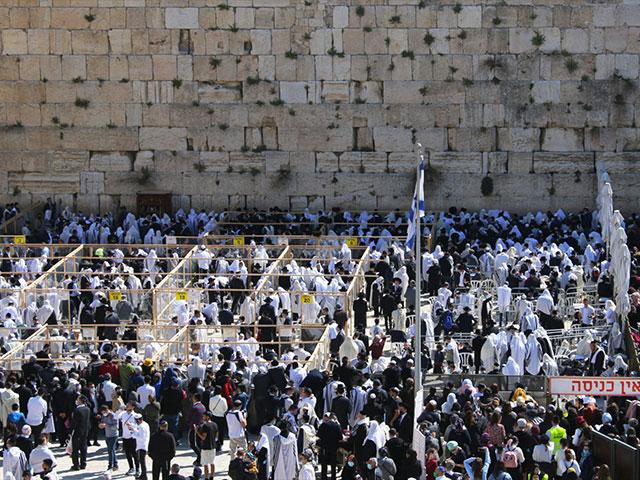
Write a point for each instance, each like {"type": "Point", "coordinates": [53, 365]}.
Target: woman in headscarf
{"type": "Point", "coordinates": [447, 406]}
{"type": "Point", "coordinates": [375, 441]}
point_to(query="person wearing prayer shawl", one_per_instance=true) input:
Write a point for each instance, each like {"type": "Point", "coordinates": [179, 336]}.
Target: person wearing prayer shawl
{"type": "Point", "coordinates": [447, 406]}
{"type": "Point", "coordinates": [45, 314]}
{"type": "Point", "coordinates": [248, 309]}
{"type": "Point", "coordinates": [533, 357]}
{"type": "Point", "coordinates": [358, 400]}
{"type": "Point", "coordinates": [451, 352]}
{"type": "Point", "coordinates": [196, 369]}
{"type": "Point", "coordinates": [528, 321]}
{"type": "Point", "coordinates": [544, 307]}
{"type": "Point", "coordinates": [150, 261]}
{"type": "Point", "coordinates": [511, 368]}
{"type": "Point", "coordinates": [504, 302]}
{"type": "Point", "coordinates": [14, 461]}
{"type": "Point", "coordinates": [467, 388]}
{"type": "Point", "coordinates": [518, 349]}
{"type": "Point", "coordinates": [404, 280]}
{"type": "Point", "coordinates": [284, 458]}
{"type": "Point", "coordinates": [610, 312]}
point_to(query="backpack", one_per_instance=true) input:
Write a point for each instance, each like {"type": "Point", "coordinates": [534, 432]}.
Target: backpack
{"type": "Point", "coordinates": [447, 323]}
{"type": "Point", "coordinates": [510, 459]}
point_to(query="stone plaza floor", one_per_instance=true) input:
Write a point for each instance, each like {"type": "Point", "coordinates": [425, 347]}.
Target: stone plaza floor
{"type": "Point", "coordinates": [97, 463]}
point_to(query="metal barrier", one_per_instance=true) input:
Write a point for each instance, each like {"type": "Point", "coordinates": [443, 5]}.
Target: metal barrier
{"type": "Point", "coordinates": [623, 460]}
{"type": "Point", "coordinates": [506, 383]}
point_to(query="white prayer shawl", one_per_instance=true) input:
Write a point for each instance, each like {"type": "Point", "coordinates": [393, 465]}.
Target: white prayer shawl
{"type": "Point", "coordinates": [285, 299]}
{"type": "Point", "coordinates": [265, 442]}
{"type": "Point", "coordinates": [511, 368]}
{"type": "Point", "coordinates": [358, 399]}
{"type": "Point", "coordinates": [404, 279]}
{"type": "Point", "coordinates": [285, 456]}
{"type": "Point", "coordinates": [518, 350]}
{"type": "Point", "coordinates": [549, 366]}
{"type": "Point", "coordinates": [489, 353]}
{"type": "Point", "coordinates": [44, 312]}
{"type": "Point", "coordinates": [534, 354]}
{"type": "Point", "coordinates": [528, 321]}
{"type": "Point", "coordinates": [196, 369]}
{"type": "Point", "coordinates": [453, 346]}
{"type": "Point", "coordinates": [349, 349]}
{"type": "Point", "coordinates": [447, 406]}
{"type": "Point", "coordinates": [328, 394]}
{"type": "Point", "coordinates": [504, 298]}
{"type": "Point", "coordinates": [443, 295]}
{"type": "Point", "coordinates": [14, 462]}
{"type": "Point", "coordinates": [150, 261]}
{"type": "Point", "coordinates": [248, 310]}
{"type": "Point", "coordinates": [610, 312]}
{"type": "Point", "coordinates": [545, 303]}
{"type": "Point", "coordinates": [376, 435]}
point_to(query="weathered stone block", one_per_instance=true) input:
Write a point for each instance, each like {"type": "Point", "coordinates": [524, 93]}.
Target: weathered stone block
{"type": "Point", "coordinates": [181, 17]}
{"type": "Point", "coordinates": [563, 162]}
{"type": "Point", "coordinates": [562, 140]}
{"type": "Point", "coordinates": [153, 138]}
{"type": "Point", "coordinates": [392, 139]}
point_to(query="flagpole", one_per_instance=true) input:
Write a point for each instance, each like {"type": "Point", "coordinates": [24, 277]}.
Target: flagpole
{"type": "Point", "coordinates": [418, 258]}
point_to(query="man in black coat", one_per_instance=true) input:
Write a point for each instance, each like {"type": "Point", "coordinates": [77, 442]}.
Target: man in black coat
{"type": "Point", "coordinates": [80, 424]}
{"type": "Point", "coordinates": [329, 435]}
{"type": "Point", "coordinates": [162, 449]}
{"type": "Point", "coordinates": [341, 407]}
{"type": "Point", "coordinates": [404, 424]}
{"type": "Point", "coordinates": [267, 310]}
{"type": "Point", "coordinates": [360, 308]}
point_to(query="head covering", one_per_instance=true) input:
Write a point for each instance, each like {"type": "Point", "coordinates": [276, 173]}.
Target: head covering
{"type": "Point", "coordinates": [452, 445]}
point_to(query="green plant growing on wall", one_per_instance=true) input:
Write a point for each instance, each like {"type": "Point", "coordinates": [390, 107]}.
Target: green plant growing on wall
{"type": "Point", "coordinates": [496, 21]}
{"type": "Point", "coordinates": [462, 35]}
{"type": "Point", "coordinates": [368, 29]}
{"type": "Point", "coordinates": [571, 64]}
{"type": "Point", "coordinates": [177, 83]}
{"type": "Point", "coordinates": [360, 11]}
{"type": "Point", "coordinates": [457, 8]}
{"type": "Point", "coordinates": [290, 54]}
{"type": "Point", "coordinates": [395, 20]}
{"type": "Point", "coordinates": [82, 103]}
{"type": "Point", "coordinates": [90, 17]}
{"type": "Point", "coordinates": [199, 167]}
{"type": "Point", "coordinates": [486, 186]}
{"type": "Point", "coordinates": [145, 176]}
{"type": "Point", "coordinates": [429, 39]}
{"type": "Point", "coordinates": [215, 62]}
{"type": "Point", "coordinates": [408, 54]}
{"type": "Point", "coordinates": [538, 39]}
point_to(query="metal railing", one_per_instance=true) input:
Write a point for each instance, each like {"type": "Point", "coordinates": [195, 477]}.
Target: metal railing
{"type": "Point", "coordinates": [623, 460]}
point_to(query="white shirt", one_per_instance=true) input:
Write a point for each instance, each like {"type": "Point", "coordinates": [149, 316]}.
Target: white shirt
{"type": "Point", "coordinates": [37, 455]}
{"type": "Point", "coordinates": [218, 406]}
{"type": "Point", "coordinates": [142, 434]}
{"type": "Point", "coordinates": [36, 411]}
{"type": "Point", "coordinates": [126, 418]}
{"type": "Point", "coordinates": [143, 393]}
{"type": "Point", "coordinates": [587, 313]}
{"type": "Point", "coordinates": [108, 387]}
{"type": "Point", "coordinates": [307, 472]}
{"type": "Point", "coordinates": [236, 430]}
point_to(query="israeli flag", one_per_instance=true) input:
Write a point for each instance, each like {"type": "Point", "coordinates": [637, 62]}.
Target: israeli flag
{"type": "Point", "coordinates": [417, 206]}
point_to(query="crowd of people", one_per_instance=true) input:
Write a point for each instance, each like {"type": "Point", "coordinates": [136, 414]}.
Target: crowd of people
{"type": "Point", "coordinates": [256, 397]}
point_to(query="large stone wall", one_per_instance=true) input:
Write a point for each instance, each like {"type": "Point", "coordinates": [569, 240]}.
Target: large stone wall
{"type": "Point", "coordinates": [233, 103]}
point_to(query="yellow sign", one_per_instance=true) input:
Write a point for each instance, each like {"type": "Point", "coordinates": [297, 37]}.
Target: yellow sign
{"type": "Point", "coordinates": [306, 298]}
{"type": "Point", "coordinates": [114, 295]}
{"type": "Point", "coordinates": [352, 242]}
{"type": "Point", "coordinates": [182, 295]}
{"type": "Point", "coordinates": [20, 239]}
{"type": "Point", "coordinates": [238, 241]}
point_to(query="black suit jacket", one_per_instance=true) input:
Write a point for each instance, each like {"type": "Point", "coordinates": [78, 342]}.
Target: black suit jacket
{"type": "Point", "coordinates": [81, 421]}
{"type": "Point", "coordinates": [404, 426]}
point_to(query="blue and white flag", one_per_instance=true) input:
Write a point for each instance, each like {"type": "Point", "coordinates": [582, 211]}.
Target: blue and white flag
{"type": "Point", "coordinates": [417, 206]}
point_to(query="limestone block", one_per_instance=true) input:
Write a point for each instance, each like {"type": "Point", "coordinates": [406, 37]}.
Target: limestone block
{"type": "Point", "coordinates": [520, 40]}
{"type": "Point", "coordinates": [562, 140]}
{"type": "Point", "coordinates": [615, 39]}
{"type": "Point", "coordinates": [317, 139]}
{"type": "Point", "coordinates": [627, 66]}
{"type": "Point", "coordinates": [276, 161]}
{"type": "Point", "coordinates": [427, 18]}
{"type": "Point", "coordinates": [89, 42]}
{"type": "Point", "coordinates": [472, 139]}
{"type": "Point", "coordinates": [575, 40]}
{"type": "Point", "coordinates": [14, 42]}
{"type": "Point", "coordinates": [432, 139]}
{"type": "Point", "coordinates": [46, 183]}
{"type": "Point", "coordinates": [118, 67]}
{"type": "Point", "coordinates": [520, 162]}
{"type": "Point", "coordinates": [300, 162]}
{"type": "Point", "coordinates": [245, 18]}
{"type": "Point", "coordinates": [29, 68]}
{"type": "Point", "coordinates": [110, 162]}
{"type": "Point", "coordinates": [264, 17]}
{"type": "Point", "coordinates": [604, 15]}
{"type": "Point", "coordinates": [285, 68]}
{"type": "Point", "coordinates": [38, 41]}
{"type": "Point", "coordinates": [351, 162]}
{"type": "Point", "coordinates": [340, 17]}
{"type": "Point", "coordinates": [374, 162]}
{"type": "Point", "coordinates": [323, 67]}
{"type": "Point", "coordinates": [326, 162]}
{"type": "Point", "coordinates": [519, 139]}
{"type": "Point", "coordinates": [544, 162]}
{"type": "Point", "coordinates": [600, 139]}
{"type": "Point", "coordinates": [620, 163]}
{"type": "Point", "coordinates": [470, 17]}
{"type": "Point", "coordinates": [459, 162]}
{"type": "Point", "coordinates": [335, 92]}
{"type": "Point", "coordinates": [215, 161]}
{"type": "Point", "coordinates": [285, 17]}
{"type": "Point", "coordinates": [152, 138]}
{"type": "Point", "coordinates": [229, 139]}
{"type": "Point", "coordinates": [267, 67]}
{"type": "Point", "coordinates": [341, 68]}
{"type": "Point", "coordinates": [293, 92]}
{"type": "Point", "coordinates": [181, 17]}
{"type": "Point", "coordinates": [164, 67]}
{"type": "Point", "coordinates": [69, 18]}
{"type": "Point", "coordinates": [120, 41]}
{"type": "Point", "coordinates": [260, 42]}
{"type": "Point", "coordinates": [392, 139]}
{"type": "Point", "coordinates": [398, 40]}
{"type": "Point", "coordinates": [91, 182]}
{"type": "Point", "coordinates": [280, 41]}
{"type": "Point", "coordinates": [546, 91]}
{"type": "Point", "coordinates": [369, 92]}
{"type": "Point", "coordinates": [353, 39]}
